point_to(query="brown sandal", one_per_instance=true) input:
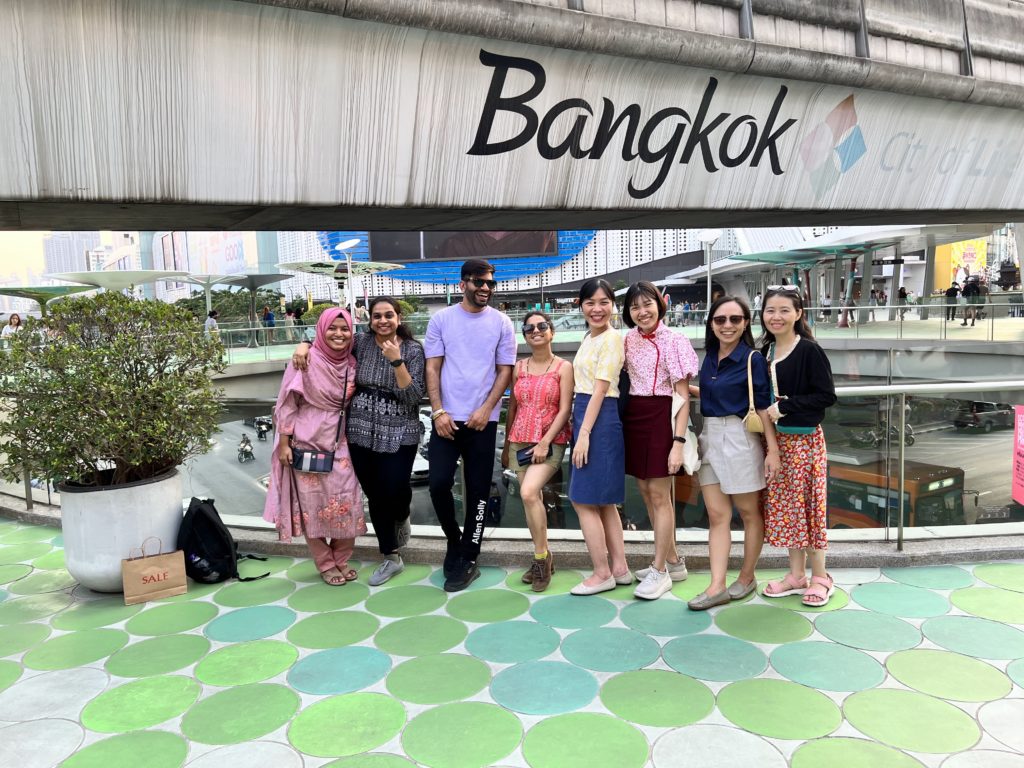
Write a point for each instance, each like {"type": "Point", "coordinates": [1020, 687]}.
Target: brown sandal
{"type": "Point", "coordinates": [349, 574]}
{"type": "Point", "coordinates": [333, 578]}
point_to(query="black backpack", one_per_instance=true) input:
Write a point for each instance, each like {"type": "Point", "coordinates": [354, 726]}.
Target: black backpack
{"type": "Point", "coordinates": [211, 553]}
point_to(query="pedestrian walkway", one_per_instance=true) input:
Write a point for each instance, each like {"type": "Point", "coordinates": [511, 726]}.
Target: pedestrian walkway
{"type": "Point", "coordinates": [905, 667]}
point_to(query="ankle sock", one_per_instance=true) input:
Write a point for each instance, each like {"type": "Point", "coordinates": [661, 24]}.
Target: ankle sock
{"type": "Point", "coordinates": [540, 557]}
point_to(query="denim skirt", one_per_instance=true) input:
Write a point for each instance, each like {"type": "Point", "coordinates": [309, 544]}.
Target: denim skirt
{"type": "Point", "coordinates": [602, 480]}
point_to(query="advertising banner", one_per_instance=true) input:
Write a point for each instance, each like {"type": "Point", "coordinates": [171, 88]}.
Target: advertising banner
{"type": "Point", "coordinates": [1018, 454]}
{"type": "Point", "coordinates": [968, 257]}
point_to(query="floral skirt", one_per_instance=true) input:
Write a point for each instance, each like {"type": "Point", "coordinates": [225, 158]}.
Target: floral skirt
{"type": "Point", "coordinates": [795, 500]}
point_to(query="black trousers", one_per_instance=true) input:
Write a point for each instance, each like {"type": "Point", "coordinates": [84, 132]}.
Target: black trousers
{"type": "Point", "coordinates": [950, 309]}
{"type": "Point", "coordinates": [476, 449]}
{"type": "Point", "coordinates": [384, 478]}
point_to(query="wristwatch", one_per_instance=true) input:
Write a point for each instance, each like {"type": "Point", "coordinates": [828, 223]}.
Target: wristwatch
{"type": "Point", "coordinates": [678, 439]}
{"type": "Point", "coordinates": [396, 363]}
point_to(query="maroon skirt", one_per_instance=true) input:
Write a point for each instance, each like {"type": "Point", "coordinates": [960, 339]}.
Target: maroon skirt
{"type": "Point", "coordinates": [648, 436]}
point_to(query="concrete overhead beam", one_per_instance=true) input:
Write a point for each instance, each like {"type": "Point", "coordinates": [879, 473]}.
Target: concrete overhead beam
{"type": "Point", "coordinates": [523, 22]}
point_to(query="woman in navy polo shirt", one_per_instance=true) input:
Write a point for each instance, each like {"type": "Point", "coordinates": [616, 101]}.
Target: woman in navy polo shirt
{"type": "Point", "coordinates": [734, 465]}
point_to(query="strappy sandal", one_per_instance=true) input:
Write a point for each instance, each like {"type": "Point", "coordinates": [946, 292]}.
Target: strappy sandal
{"type": "Point", "coordinates": [333, 578]}
{"type": "Point", "coordinates": [821, 589]}
{"type": "Point", "coordinates": [349, 574]}
{"type": "Point", "coordinates": [790, 585]}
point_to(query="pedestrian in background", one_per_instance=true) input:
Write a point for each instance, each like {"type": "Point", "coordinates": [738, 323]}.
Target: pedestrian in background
{"type": "Point", "coordinates": [951, 295]}
{"type": "Point", "coordinates": [13, 326]}
{"type": "Point", "coordinates": [210, 327]}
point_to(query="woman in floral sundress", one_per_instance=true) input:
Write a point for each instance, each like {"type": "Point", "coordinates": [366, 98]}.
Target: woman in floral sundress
{"type": "Point", "coordinates": [327, 509]}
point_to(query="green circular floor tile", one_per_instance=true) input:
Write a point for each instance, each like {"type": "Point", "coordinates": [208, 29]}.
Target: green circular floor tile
{"type": "Point", "coordinates": [760, 706]}
{"type": "Point", "coordinates": [31, 533]}
{"type": "Point", "coordinates": [584, 740]}
{"type": "Point", "coordinates": [695, 584]}
{"type": "Point", "coordinates": [827, 666]}
{"type": "Point", "coordinates": [406, 601]}
{"type": "Point", "coordinates": [438, 679]}
{"type": "Point", "coordinates": [171, 619]}
{"type": "Point", "coordinates": [254, 623]}
{"type": "Point", "coordinates": [997, 604]}
{"type": "Point", "coordinates": [32, 607]}
{"type": "Point", "coordinates": [325, 597]}
{"type": "Point", "coordinates": [196, 590]}
{"type": "Point", "coordinates": [420, 635]}
{"type": "Point", "coordinates": [1004, 575]}
{"type": "Point", "coordinates": [412, 573]}
{"type": "Point", "coordinates": [370, 719]}
{"type": "Point", "coordinates": [489, 577]}
{"type": "Point", "coordinates": [339, 670]}
{"type": "Point", "coordinates": [948, 675]}
{"type": "Point", "coordinates": [438, 737]}
{"type": "Point", "coordinates": [665, 618]}
{"type": "Point", "coordinates": [1016, 672]}
{"type": "Point", "coordinates": [44, 581]}
{"type": "Point", "coordinates": [931, 577]}
{"type": "Point", "coordinates": [975, 637]}
{"type": "Point", "coordinates": [561, 582]}
{"type": "Point", "coordinates": [161, 750]}
{"type": "Point", "coordinates": [10, 671]}
{"type": "Point", "coordinates": [763, 624]}
{"type": "Point", "coordinates": [910, 720]}
{"type": "Point", "coordinates": [245, 594]}
{"type": "Point", "coordinates": [19, 553]}
{"type": "Point", "coordinates": [158, 655]}
{"type": "Point", "coordinates": [839, 599]}
{"type": "Point", "coordinates": [512, 642]}
{"type": "Point", "coordinates": [681, 700]}
{"type": "Point", "coordinates": [75, 649]}
{"type": "Point", "coordinates": [239, 714]}
{"type": "Point", "coordinates": [610, 649]}
{"type": "Point", "coordinates": [94, 614]}
{"type": "Point", "coordinates": [488, 605]}
{"type": "Point", "coordinates": [304, 571]}
{"type": "Point", "coordinates": [868, 630]}
{"type": "Point", "coordinates": [51, 561]}
{"type": "Point", "coordinates": [371, 760]}
{"type": "Point", "coordinates": [273, 564]}
{"type": "Point", "coordinates": [573, 612]}
{"type": "Point", "coordinates": [333, 629]}
{"type": "Point", "coordinates": [140, 704]}
{"type": "Point", "coordinates": [9, 573]}
{"type": "Point", "coordinates": [544, 688]}
{"type": "Point", "coordinates": [843, 752]}
{"type": "Point", "coordinates": [714, 657]}
{"type": "Point", "coordinates": [18, 638]}
{"type": "Point", "coordinates": [900, 600]}
{"type": "Point", "coordinates": [244, 663]}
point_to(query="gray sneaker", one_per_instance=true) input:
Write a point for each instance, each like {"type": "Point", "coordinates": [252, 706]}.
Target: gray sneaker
{"type": "Point", "coordinates": [392, 566]}
{"type": "Point", "coordinates": [403, 532]}
{"type": "Point", "coordinates": [676, 571]}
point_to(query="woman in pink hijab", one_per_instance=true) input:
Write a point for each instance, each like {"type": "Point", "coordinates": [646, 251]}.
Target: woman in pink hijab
{"type": "Point", "coordinates": [327, 509]}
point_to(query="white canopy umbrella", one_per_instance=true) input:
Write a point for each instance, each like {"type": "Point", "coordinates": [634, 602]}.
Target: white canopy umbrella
{"type": "Point", "coordinates": [341, 271]}
{"type": "Point", "coordinates": [117, 280]}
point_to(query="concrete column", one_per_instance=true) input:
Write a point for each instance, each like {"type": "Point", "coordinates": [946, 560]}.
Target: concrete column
{"type": "Point", "coordinates": [929, 277]}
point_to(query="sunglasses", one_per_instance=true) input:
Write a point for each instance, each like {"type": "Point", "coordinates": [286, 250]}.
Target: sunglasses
{"type": "Point", "coordinates": [720, 320]}
{"type": "Point", "coordinates": [784, 288]}
{"type": "Point", "coordinates": [479, 282]}
{"type": "Point", "coordinates": [530, 327]}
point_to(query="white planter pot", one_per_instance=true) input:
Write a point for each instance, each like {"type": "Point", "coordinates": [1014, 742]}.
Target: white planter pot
{"type": "Point", "coordinates": [101, 526]}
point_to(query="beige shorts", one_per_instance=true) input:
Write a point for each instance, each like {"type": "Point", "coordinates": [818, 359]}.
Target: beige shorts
{"type": "Point", "coordinates": [730, 456]}
{"type": "Point", "coordinates": [554, 460]}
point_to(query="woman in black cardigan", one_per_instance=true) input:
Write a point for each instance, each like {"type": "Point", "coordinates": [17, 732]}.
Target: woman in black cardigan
{"type": "Point", "coordinates": [795, 498]}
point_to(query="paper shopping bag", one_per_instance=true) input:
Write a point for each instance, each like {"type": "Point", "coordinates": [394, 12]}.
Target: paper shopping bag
{"type": "Point", "coordinates": [149, 577]}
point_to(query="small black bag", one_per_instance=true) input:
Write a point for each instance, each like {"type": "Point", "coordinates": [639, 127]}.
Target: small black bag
{"type": "Point", "coordinates": [623, 392]}
{"type": "Point", "coordinates": [211, 552]}
{"type": "Point", "coordinates": [525, 455]}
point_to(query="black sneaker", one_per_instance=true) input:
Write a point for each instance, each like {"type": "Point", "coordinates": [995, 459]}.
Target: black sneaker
{"type": "Point", "coordinates": [464, 575]}
{"type": "Point", "coordinates": [452, 562]}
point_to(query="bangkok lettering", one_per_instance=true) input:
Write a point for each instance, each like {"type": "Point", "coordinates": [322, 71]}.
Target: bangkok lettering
{"type": "Point", "coordinates": [720, 140]}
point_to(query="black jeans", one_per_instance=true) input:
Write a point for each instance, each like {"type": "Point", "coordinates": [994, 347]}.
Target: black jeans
{"type": "Point", "coordinates": [384, 478]}
{"type": "Point", "coordinates": [950, 309]}
{"type": "Point", "coordinates": [476, 448]}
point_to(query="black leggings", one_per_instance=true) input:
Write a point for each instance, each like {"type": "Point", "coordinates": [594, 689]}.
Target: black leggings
{"type": "Point", "coordinates": [384, 478]}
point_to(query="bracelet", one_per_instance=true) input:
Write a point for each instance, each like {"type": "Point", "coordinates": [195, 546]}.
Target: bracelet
{"type": "Point", "coordinates": [678, 439]}
{"type": "Point", "coordinates": [437, 413]}
{"type": "Point", "coordinates": [584, 429]}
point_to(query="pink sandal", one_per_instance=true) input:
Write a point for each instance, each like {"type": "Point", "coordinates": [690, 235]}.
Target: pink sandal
{"type": "Point", "coordinates": [820, 591]}
{"type": "Point", "coordinates": [790, 585]}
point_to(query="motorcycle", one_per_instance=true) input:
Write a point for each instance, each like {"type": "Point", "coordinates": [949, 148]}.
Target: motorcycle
{"type": "Point", "coordinates": [262, 428]}
{"type": "Point", "coordinates": [245, 451]}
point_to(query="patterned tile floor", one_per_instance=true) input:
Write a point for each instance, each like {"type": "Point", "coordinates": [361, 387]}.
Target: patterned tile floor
{"type": "Point", "coordinates": [905, 667]}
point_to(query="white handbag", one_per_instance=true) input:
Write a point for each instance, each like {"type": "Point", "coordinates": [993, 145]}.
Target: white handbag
{"type": "Point", "coordinates": [691, 458]}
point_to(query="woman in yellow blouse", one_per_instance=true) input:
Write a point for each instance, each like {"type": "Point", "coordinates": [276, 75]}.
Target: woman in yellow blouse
{"type": "Point", "coordinates": [598, 479]}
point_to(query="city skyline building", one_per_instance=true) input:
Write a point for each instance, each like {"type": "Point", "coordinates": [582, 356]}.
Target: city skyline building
{"type": "Point", "coordinates": [67, 251]}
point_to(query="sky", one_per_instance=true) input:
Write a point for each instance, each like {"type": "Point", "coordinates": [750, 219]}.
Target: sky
{"type": "Point", "coordinates": [21, 252]}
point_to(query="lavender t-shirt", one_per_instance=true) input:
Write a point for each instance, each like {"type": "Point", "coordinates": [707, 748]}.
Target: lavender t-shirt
{"type": "Point", "coordinates": [472, 344]}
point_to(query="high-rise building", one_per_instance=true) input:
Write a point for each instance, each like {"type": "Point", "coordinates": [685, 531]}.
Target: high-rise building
{"type": "Point", "coordinates": [67, 251]}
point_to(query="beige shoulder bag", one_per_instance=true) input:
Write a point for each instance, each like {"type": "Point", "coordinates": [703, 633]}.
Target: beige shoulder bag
{"type": "Point", "coordinates": [751, 421]}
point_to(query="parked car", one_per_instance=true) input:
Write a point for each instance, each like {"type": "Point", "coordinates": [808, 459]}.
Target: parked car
{"type": "Point", "coordinates": [984, 416]}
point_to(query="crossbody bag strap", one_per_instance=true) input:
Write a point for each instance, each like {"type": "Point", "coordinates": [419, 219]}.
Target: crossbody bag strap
{"type": "Point", "coordinates": [341, 415]}
{"type": "Point", "coordinates": [750, 381]}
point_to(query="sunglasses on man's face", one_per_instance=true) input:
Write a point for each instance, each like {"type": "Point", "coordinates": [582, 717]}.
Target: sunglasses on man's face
{"type": "Point", "coordinates": [479, 282]}
{"type": "Point", "coordinates": [720, 320]}
{"type": "Point", "coordinates": [530, 327]}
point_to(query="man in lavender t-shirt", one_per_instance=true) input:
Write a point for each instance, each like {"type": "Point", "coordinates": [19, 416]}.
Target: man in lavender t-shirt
{"type": "Point", "coordinates": [470, 350]}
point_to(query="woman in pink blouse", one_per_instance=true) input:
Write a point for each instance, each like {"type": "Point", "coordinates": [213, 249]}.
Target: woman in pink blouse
{"type": "Point", "coordinates": [538, 425]}
{"type": "Point", "coordinates": [659, 363]}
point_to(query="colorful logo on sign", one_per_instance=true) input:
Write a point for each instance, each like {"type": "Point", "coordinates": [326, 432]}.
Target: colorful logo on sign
{"type": "Point", "coordinates": [833, 148]}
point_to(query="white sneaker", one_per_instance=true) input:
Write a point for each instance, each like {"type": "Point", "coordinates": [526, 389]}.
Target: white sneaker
{"type": "Point", "coordinates": [654, 585]}
{"type": "Point", "coordinates": [392, 566]}
{"type": "Point", "coordinates": [676, 571]}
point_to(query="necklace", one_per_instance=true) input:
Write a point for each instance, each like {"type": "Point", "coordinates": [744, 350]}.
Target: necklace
{"type": "Point", "coordinates": [531, 373]}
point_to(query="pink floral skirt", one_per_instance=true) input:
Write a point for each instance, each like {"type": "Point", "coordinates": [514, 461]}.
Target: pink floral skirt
{"type": "Point", "coordinates": [795, 500]}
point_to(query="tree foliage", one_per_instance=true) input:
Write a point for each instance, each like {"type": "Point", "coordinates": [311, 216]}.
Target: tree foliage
{"type": "Point", "coordinates": [107, 390]}
{"type": "Point", "coordinates": [233, 306]}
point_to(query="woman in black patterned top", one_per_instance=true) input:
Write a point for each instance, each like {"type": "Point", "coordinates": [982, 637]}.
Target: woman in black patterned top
{"type": "Point", "coordinates": [383, 426]}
